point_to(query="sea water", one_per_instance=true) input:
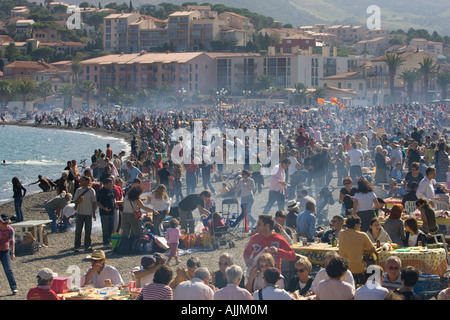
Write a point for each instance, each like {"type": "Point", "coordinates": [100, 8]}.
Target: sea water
{"type": "Point", "coordinates": [26, 152]}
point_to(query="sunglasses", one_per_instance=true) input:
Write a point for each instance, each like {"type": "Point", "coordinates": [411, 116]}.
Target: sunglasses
{"type": "Point", "coordinates": [393, 268]}
{"type": "Point", "coordinates": [223, 263]}
{"type": "Point", "coordinates": [300, 270]}
{"type": "Point", "coordinates": [263, 266]}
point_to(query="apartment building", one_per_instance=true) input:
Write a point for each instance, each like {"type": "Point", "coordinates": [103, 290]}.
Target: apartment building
{"type": "Point", "coordinates": [45, 34]}
{"type": "Point", "coordinates": [377, 33]}
{"type": "Point", "coordinates": [24, 69]}
{"type": "Point", "coordinates": [19, 11]}
{"type": "Point", "coordinates": [299, 41]}
{"type": "Point", "coordinates": [24, 27]}
{"type": "Point", "coordinates": [115, 31]}
{"type": "Point", "coordinates": [133, 72]}
{"type": "Point", "coordinates": [424, 44]}
{"type": "Point", "coordinates": [376, 46]}
{"type": "Point", "coordinates": [190, 30]}
{"type": "Point", "coordinates": [348, 33]}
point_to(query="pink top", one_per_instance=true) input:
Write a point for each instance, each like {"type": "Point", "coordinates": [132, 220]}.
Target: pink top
{"type": "Point", "coordinates": [173, 235]}
{"type": "Point", "coordinates": [278, 176]}
{"type": "Point", "coordinates": [6, 238]}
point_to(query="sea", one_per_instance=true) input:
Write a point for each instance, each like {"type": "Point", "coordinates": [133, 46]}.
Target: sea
{"type": "Point", "coordinates": [26, 152]}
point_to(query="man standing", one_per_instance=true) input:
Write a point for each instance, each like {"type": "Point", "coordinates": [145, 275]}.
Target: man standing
{"type": "Point", "coordinates": [306, 222]}
{"type": "Point", "coordinates": [277, 187]}
{"type": "Point", "coordinates": [426, 186]}
{"type": "Point", "coordinates": [133, 172]}
{"type": "Point", "coordinates": [197, 288]}
{"type": "Point", "coordinates": [266, 240]}
{"type": "Point", "coordinates": [106, 203]}
{"type": "Point", "coordinates": [86, 203]}
{"type": "Point", "coordinates": [356, 158]}
{"type": "Point", "coordinates": [353, 244]}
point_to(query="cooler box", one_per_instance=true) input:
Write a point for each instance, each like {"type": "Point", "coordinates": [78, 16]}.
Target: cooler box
{"type": "Point", "coordinates": [61, 284]}
{"type": "Point", "coordinates": [115, 239]}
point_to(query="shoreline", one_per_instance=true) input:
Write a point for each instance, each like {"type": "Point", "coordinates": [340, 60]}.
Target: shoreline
{"type": "Point", "coordinates": [126, 136]}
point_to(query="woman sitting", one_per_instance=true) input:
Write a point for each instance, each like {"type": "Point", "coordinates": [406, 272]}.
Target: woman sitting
{"type": "Point", "coordinates": [394, 225]}
{"type": "Point", "coordinates": [256, 277]}
{"type": "Point", "coordinates": [377, 233]}
{"type": "Point", "coordinates": [414, 236]}
{"type": "Point", "coordinates": [302, 281]}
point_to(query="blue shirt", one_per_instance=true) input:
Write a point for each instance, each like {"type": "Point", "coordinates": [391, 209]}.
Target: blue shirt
{"type": "Point", "coordinates": [306, 223]}
{"type": "Point", "coordinates": [133, 173]}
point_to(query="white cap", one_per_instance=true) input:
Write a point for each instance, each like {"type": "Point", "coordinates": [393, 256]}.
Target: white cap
{"type": "Point", "coordinates": [46, 274]}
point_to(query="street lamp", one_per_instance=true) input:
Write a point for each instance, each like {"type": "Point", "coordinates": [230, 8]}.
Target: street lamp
{"type": "Point", "coordinates": [246, 93]}
{"type": "Point", "coordinates": [223, 92]}
{"type": "Point", "coordinates": [182, 92]}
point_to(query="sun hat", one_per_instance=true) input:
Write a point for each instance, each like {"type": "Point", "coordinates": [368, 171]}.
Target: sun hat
{"type": "Point", "coordinates": [4, 218]}
{"type": "Point", "coordinates": [46, 274]}
{"type": "Point", "coordinates": [97, 255]}
{"type": "Point", "coordinates": [292, 204]}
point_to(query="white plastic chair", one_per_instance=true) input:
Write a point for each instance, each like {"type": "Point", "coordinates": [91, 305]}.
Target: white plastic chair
{"type": "Point", "coordinates": [441, 205]}
{"type": "Point", "coordinates": [410, 206]}
{"type": "Point", "coordinates": [440, 242]}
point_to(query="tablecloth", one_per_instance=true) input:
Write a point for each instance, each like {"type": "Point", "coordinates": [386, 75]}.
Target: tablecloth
{"type": "Point", "coordinates": [429, 261]}
{"type": "Point", "coordinates": [315, 252]}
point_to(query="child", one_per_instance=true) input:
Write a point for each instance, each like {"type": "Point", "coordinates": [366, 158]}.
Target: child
{"type": "Point", "coordinates": [173, 235]}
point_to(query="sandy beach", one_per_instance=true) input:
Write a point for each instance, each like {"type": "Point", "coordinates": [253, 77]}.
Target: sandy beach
{"type": "Point", "coordinates": [59, 254]}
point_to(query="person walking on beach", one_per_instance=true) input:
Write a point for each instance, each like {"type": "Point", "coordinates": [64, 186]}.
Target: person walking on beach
{"type": "Point", "coordinates": [18, 197]}
{"type": "Point", "coordinates": [7, 252]}
{"type": "Point", "coordinates": [86, 204]}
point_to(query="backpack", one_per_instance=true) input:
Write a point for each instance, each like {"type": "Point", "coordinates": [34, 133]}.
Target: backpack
{"type": "Point", "coordinates": [143, 245]}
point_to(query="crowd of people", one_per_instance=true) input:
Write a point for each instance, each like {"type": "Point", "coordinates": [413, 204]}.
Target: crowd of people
{"type": "Point", "coordinates": [373, 153]}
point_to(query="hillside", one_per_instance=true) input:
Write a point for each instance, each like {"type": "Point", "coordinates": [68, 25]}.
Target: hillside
{"type": "Point", "coordinates": [399, 14]}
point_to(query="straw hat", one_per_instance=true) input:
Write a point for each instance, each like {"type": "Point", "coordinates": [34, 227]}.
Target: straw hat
{"type": "Point", "coordinates": [97, 255]}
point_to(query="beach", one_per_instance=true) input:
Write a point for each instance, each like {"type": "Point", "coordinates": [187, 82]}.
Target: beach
{"type": "Point", "coordinates": [59, 254]}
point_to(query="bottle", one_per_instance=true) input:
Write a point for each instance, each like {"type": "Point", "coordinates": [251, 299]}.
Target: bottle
{"type": "Point", "coordinates": [294, 236]}
{"type": "Point", "coordinates": [334, 240]}
{"type": "Point", "coordinates": [378, 244]}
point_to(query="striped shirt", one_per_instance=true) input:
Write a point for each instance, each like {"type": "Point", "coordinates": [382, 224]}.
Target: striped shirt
{"type": "Point", "coordinates": [155, 291]}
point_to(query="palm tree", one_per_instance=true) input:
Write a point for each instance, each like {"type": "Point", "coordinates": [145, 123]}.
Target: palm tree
{"type": "Point", "coordinates": [318, 92]}
{"type": "Point", "coordinates": [66, 92]}
{"type": "Point", "coordinates": [393, 61]}
{"type": "Point", "coordinates": [410, 77]}
{"type": "Point", "coordinates": [300, 92]}
{"type": "Point", "coordinates": [43, 90]}
{"type": "Point", "coordinates": [76, 67]}
{"type": "Point", "coordinates": [25, 89]}
{"type": "Point", "coordinates": [88, 87]}
{"type": "Point", "coordinates": [443, 82]}
{"type": "Point", "coordinates": [265, 81]}
{"type": "Point", "coordinates": [5, 93]}
{"type": "Point", "coordinates": [427, 67]}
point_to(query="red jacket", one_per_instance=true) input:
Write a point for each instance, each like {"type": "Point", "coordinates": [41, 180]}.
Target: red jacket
{"type": "Point", "coordinates": [258, 243]}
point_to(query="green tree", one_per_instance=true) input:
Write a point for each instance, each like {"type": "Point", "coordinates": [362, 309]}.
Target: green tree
{"type": "Point", "coordinates": [427, 67]}
{"type": "Point", "coordinates": [443, 81]}
{"type": "Point", "coordinates": [318, 92]}
{"type": "Point", "coordinates": [5, 93]}
{"type": "Point", "coordinates": [393, 61]}
{"type": "Point", "coordinates": [264, 81]}
{"type": "Point", "coordinates": [66, 92]}
{"type": "Point", "coordinates": [25, 90]}
{"type": "Point", "coordinates": [44, 89]}
{"type": "Point", "coordinates": [76, 68]}
{"type": "Point", "coordinates": [88, 88]}
{"type": "Point", "coordinates": [44, 53]}
{"type": "Point", "coordinates": [300, 93]}
{"type": "Point", "coordinates": [410, 77]}
{"type": "Point", "coordinates": [11, 52]}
